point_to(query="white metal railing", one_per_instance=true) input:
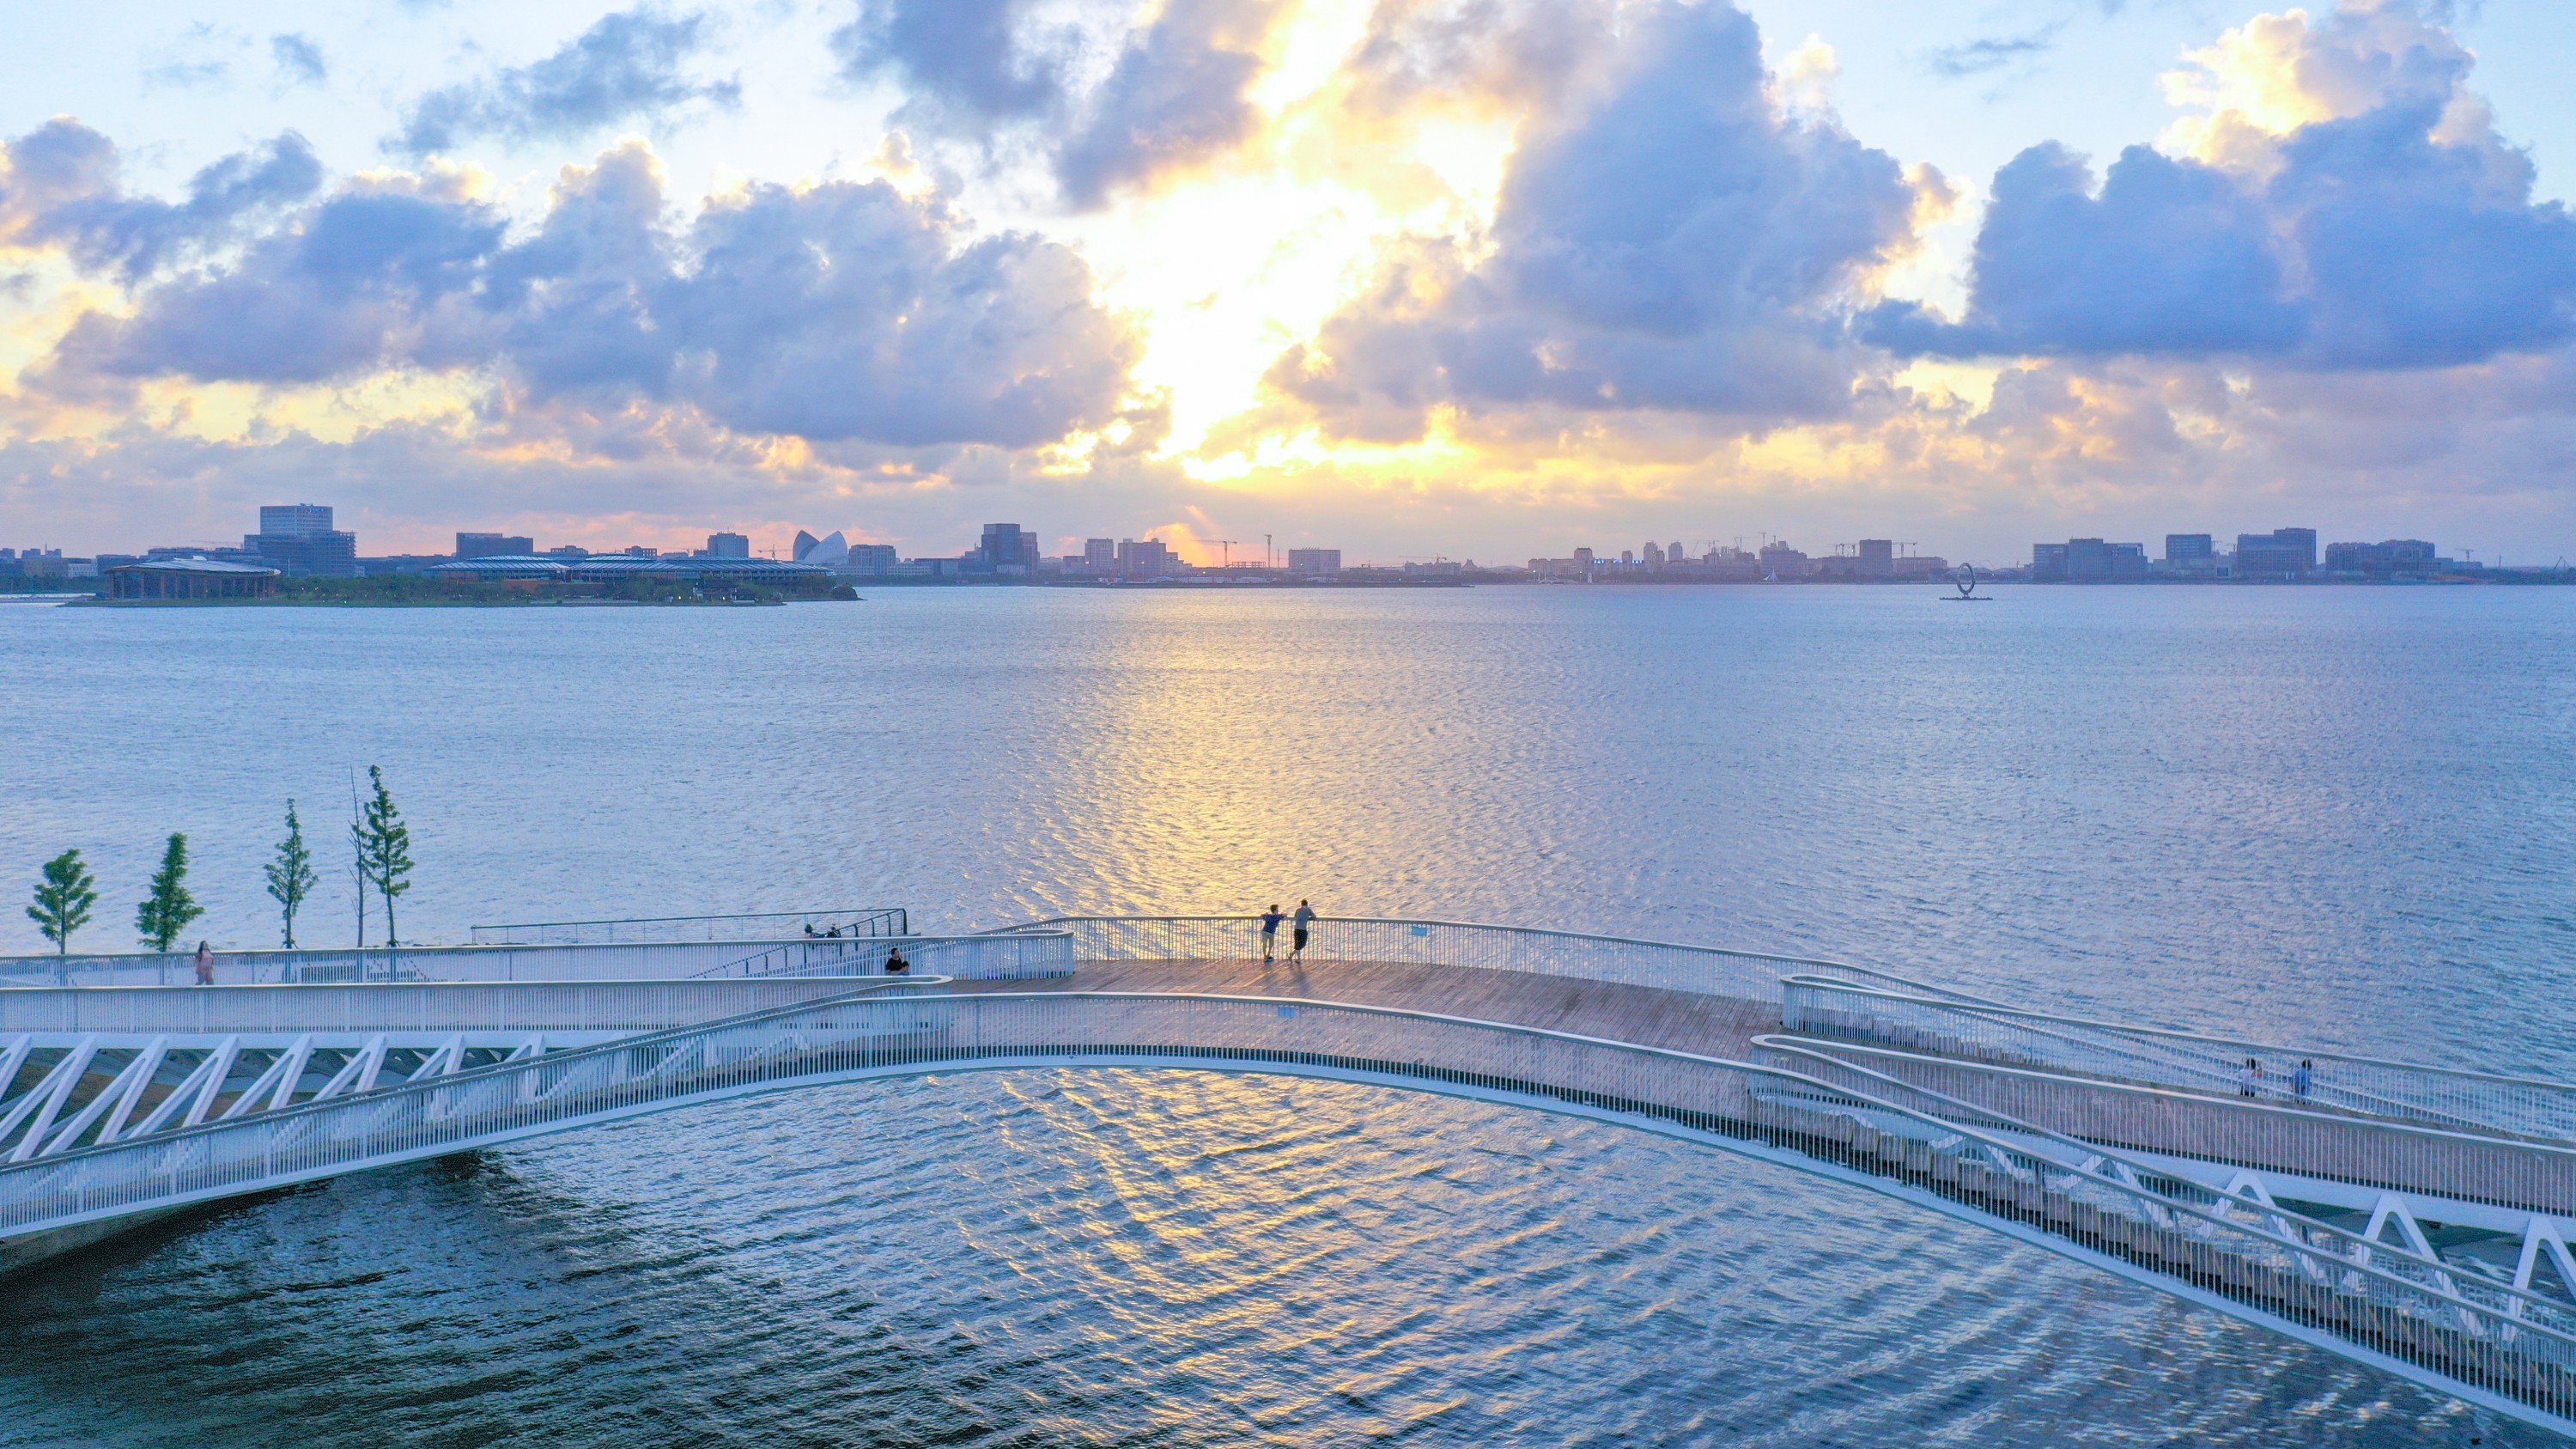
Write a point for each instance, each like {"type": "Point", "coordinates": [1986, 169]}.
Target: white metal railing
{"type": "Point", "coordinates": [988, 957]}
{"type": "Point", "coordinates": [1709, 970]}
{"type": "Point", "coordinates": [2434, 1096]}
{"type": "Point", "coordinates": [764, 926]}
{"type": "Point", "coordinates": [2516, 1349]}
{"type": "Point", "coordinates": [577, 1006]}
{"type": "Point", "coordinates": [2271, 1136]}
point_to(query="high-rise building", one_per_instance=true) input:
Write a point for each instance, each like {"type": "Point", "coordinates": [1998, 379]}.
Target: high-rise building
{"type": "Point", "coordinates": [294, 520]}
{"type": "Point", "coordinates": [2190, 548]}
{"type": "Point", "coordinates": [494, 545]}
{"type": "Point", "coordinates": [2284, 553]}
{"type": "Point", "coordinates": [297, 538]}
{"type": "Point", "coordinates": [1311, 563]}
{"type": "Point", "coordinates": [871, 558]}
{"type": "Point", "coordinates": [728, 545]}
{"type": "Point", "coordinates": [1101, 554]}
{"type": "Point", "coordinates": [1145, 559]}
{"type": "Point", "coordinates": [1877, 558]}
{"type": "Point", "coordinates": [1654, 554]}
{"type": "Point", "coordinates": [1008, 548]}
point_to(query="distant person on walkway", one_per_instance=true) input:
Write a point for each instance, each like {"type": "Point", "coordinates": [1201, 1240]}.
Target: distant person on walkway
{"type": "Point", "coordinates": [896, 965]}
{"type": "Point", "coordinates": [205, 964]}
{"type": "Point", "coordinates": [1305, 917]}
{"type": "Point", "coordinates": [1270, 920]}
{"type": "Point", "coordinates": [2249, 1078]}
{"type": "Point", "coordinates": [2302, 1078]}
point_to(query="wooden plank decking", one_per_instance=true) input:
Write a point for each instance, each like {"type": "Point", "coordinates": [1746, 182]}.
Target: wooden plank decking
{"type": "Point", "coordinates": [1718, 1026]}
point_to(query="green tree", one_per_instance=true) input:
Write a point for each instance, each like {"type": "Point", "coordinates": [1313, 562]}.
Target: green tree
{"type": "Point", "coordinates": [63, 902]}
{"type": "Point", "coordinates": [166, 912]}
{"type": "Point", "coordinates": [290, 876]}
{"type": "Point", "coordinates": [384, 848]}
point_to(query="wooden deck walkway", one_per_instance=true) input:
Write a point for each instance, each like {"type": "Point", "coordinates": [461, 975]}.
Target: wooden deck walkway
{"type": "Point", "coordinates": [1718, 1026]}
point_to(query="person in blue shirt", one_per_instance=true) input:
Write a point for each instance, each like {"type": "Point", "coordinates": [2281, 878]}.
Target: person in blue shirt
{"type": "Point", "coordinates": [2303, 1079]}
{"type": "Point", "coordinates": [1270, 920]}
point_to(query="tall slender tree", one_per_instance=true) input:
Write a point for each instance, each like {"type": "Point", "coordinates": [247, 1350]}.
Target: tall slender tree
{"type": "Point", "coordinates": [385, 848]}
{"type": "Point", "coordinates": [290, 876]}
{"type": "Point", "coordinates": [63, 900]}
{"type": "Point", "coordinates": [166, 912]}
{"type": "Point", "coordinates": [358, 858]}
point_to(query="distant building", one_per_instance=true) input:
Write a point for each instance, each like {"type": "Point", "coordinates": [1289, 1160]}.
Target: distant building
{"type": "Point", "coordinates": [297, 538]}
{"type": "Point", "coordinates": [1673, 552]}
{"type": "Point", "coordinates": [1146, 559]}
{"type": "Point", "coordinates": [727, 545]}
{"type": "Point", "coordinates": [570, 553]}
{"type": "Point", "coordinates": [871, 558]}
{"type": "Point", "coordinates": [1008, 550]}
{"type": "Point", "coordinates": [2284, 553]}
{"type": "Point", "coordinates": [1100, 555]}
{"type": "Point", "coordinates": [1780, 561]}
{"type": "Point", "coordinates": [830, 551]}
{"type": "Point", "coordinates": [2190, 548]}
{"type": "Point", "coordinates": [1654, 554]}
{"type": "Point", "coordinates": [2088, 561]}
{"type": "Point", "coordinates": [1877, 558]}
{"type": "Point", "coordinates": [1312, 563]}
{"type": "Point", "coordinates": [2383, 559]}
{"type": "Point", "coordinates": [190, 578]}
{"type": "Point", "coordinates": [494, 545]}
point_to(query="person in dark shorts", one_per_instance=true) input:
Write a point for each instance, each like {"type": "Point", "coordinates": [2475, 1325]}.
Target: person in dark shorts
{"type": "Point", "coordinates": [896, 965]}
{"type": "Point", "coordinates": [1305, 917]}
{"type": "Point", "coordinates": [1270, 920]}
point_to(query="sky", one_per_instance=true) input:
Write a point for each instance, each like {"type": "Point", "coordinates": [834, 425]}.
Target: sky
{"type": "Point", "coordinates": [1487, 279]}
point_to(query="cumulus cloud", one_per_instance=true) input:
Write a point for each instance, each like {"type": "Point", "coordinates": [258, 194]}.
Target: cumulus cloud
{"type": "Point", "coordinates": [62, 187]}
{"type": "Point", "coordinates": [840, 311]}
{"type": "Point", "coordinates": [1669, 239]}
{"type": "Point", "coordinates": [1174, 98]}
{"type": "Point", "coordinates": [630, 65]}
{"type": "Point", "coordinates": [299, 58]}
{"type": "Point", "coordinates": [2385, 226]}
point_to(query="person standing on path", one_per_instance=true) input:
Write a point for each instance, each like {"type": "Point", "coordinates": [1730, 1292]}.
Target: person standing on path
{"type": "Point", "coordinates": [205, 964]}
{"type": "Point", "coordinates": [1270, 920]}
{"type": "Point", "coordinates": [1305, 917]}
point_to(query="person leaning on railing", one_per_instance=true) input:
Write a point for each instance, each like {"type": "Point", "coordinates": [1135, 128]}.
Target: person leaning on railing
{"type": "Point", "coordinates": [895, 964]}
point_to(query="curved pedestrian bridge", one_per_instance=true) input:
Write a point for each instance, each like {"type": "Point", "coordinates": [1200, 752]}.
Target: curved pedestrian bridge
{"type": "Point", "coordinates": [2410, 1217]}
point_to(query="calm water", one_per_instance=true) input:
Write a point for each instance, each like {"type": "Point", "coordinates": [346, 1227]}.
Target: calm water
{"type": "Point", "coordinates": [2330, 816]}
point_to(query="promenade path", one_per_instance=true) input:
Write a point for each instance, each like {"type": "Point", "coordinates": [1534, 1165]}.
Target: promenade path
{"type": "Point", "coordinates": [1709, 1025]}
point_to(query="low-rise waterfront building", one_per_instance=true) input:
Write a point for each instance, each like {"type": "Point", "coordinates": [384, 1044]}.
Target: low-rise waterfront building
{"type": "Point", "coordinates": [191, 578]}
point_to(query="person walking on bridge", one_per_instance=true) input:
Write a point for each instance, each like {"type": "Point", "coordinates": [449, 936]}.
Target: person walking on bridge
{"type": "Point", "coordinates": [1270, 920]}
{"type": "Point", "coordinates": [1305, 917]}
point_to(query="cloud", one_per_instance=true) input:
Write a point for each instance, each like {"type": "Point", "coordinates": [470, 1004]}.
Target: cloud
{"type": "Point", "coordinates": [1173, 99]}
{"type": "Point", "coordinates": [61, 188]}
{"type": "Point", "coordinates": [628, 66]}
{"type": "Point", "coordinates": [1669, 240]}
{"type": "Point", "coordinates": [1977, 57]}
{"type": "Point", "coordinates": [844, 311]}
{"type": "Point", "coordinates": [2384, 226]}
{"type": "Point", "coordinates": [299, 59]}
{"type": "Point", "coordinates": [962, 59]}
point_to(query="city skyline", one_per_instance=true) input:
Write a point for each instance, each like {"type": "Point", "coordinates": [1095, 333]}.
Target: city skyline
{"type": "Point", "coordinates": [2009, 274]}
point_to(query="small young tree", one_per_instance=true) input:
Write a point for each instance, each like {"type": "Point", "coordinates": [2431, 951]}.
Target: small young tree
{"type": "Point", "coordinates": [290, 876]}
{"type": "Point", "coordinates": [168, 910]}
{"type": "Point", "coordinates": [385, 848]}
{"type": "Point", "coordinates": [63, 902]}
